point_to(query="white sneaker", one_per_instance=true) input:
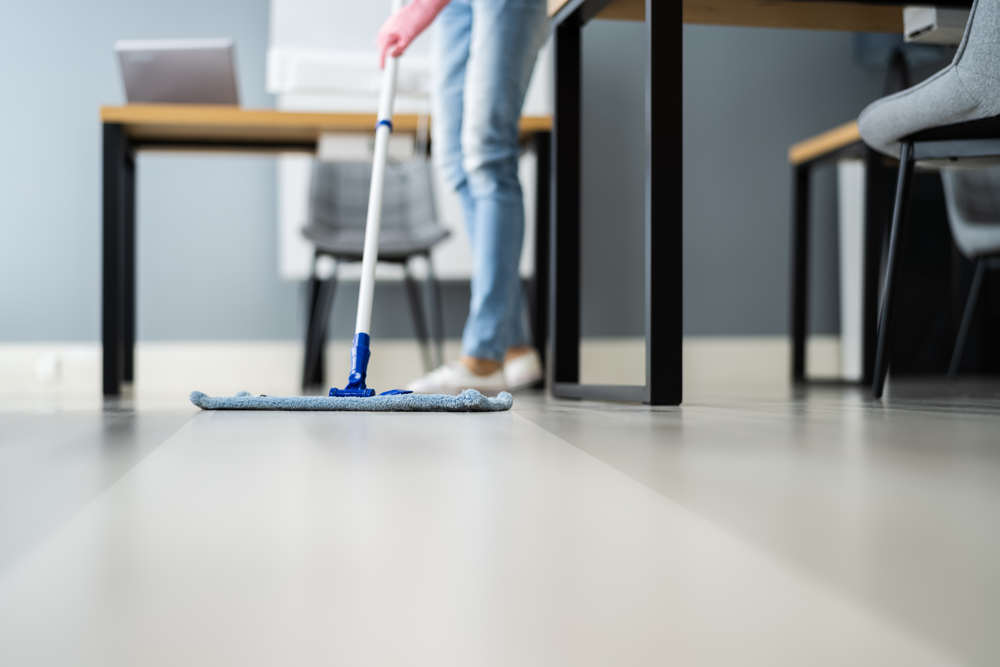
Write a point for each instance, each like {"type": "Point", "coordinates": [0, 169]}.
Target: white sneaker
{"type": "Point", "coordinates": [523, 372]}
{"type": "Point", "coordinates": [454, 378]}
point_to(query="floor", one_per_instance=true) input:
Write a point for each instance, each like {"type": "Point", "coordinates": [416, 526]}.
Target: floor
{"type": "Point", "coordinates": [756, 525]}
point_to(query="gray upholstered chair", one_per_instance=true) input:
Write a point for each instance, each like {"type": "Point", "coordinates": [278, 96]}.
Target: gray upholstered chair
{"type": "Point", "coordinates": [338, 205]}
{"type": "Point", "coordinates": [952, 116]}
{"type": "Point", "coordinates": [973, 200]}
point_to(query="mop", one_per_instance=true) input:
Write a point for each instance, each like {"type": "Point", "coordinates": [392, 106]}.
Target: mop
{"type": "Point", "coordinates": [357, 395]}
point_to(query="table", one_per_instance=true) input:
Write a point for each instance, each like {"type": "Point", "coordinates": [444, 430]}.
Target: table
{"type": "Point", "coordinates": [207, 128]}
{"type": "Point", "coordinates": [664, 182]}
{"type": "Point", "coordinates": [840, 142]}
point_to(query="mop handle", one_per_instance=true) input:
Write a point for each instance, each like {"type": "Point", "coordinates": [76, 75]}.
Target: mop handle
{"type": "Point", "coordinates": [383, 129]}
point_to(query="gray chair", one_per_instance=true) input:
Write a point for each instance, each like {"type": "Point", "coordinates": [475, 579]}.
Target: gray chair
{"type": "Point", "coordinates": [338, 204]}
{"type": "Point", "coordinates": [965, 91]}
{"type": "Point", "coordinates": [973, 200]}
{"type": "Point", "coordinates": [952, 116]}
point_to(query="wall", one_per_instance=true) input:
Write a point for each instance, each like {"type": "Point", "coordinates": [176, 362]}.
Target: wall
{"type": "Point", "coordinates": [748, 94]}
{"type": "Point", "coordinates": [207, 257]}
{"type": "Point", "coordinates": [206, 231]}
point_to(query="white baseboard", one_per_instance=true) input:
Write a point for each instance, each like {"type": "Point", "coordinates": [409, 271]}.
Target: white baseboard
{"type": "Point", "coordinates": [68, 374]}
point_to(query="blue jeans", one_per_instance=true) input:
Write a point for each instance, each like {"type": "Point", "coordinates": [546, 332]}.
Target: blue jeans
{"type": "Point", "coordinates": [483, 53]}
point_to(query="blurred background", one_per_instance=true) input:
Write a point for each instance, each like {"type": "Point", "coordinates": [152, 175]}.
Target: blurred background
{"type": "Point", "coordinates": [222, 265]}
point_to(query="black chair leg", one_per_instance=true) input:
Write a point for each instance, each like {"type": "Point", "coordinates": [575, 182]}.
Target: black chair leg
{"type": "Point", "coordinates": [897, 238]}
{"type": "Point", "coordinates": [321, 303]}
{"type": "Point", "coordinates": [970, 309]}
{"type": "Point", "coordinates": [309, 344]}
{"type": "Point", "coordinates": [437, 310]}
{"type": "Point", "coordinates": [419, 322]}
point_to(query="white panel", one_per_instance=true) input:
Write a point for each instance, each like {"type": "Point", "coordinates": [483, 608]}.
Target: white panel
{"type": "Point", "coordinates": [851, 200]}
{"type": "Point", "coordinates": [352, 76]}
{"type": "Point", "coordinates": [342, 25]}
{"type": "Point", "coordinates": [294, 252]}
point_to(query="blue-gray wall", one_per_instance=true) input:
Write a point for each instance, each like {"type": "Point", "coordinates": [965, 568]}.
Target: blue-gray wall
{"type": "Point", "coordinates": [748, 94]}
{"type": "Point", "coordinates": [206, 224]}
{"type": "Point", "coordinates": [207, 257]}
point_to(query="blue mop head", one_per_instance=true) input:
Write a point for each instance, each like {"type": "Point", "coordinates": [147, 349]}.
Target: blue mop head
{"type": "Point", "coordinates": [357, 396]}
{"type": "Point", "coordinates": [469, 400]}
{"type": "Point", "coordinates": [356, 387]}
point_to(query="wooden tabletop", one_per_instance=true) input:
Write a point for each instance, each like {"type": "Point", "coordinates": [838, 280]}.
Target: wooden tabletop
{"type": "Point", "coordinates": [164, 123]}
{"type": "Point", "coordinates": [853, 16]}
{"type": "Point", "coordinates": [824, 143]}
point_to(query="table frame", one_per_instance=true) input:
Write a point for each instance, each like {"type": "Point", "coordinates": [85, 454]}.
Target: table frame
{"type": "Point", "coordinates": [663, 254]}
{"type": "Point", "coordinates": [118, 292]}
{"type": "Point", "coordinates": [877, 183]}
{"type": "Point", "coordinates": [663, 226]}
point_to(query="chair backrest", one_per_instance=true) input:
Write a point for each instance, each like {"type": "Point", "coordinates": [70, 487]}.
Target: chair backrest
{"type": "Point", "coordinates": [973, 200]}
{"type": "Point", "coordinates": [338, 196]}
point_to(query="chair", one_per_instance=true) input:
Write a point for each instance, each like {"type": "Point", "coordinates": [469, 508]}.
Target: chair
{"type": "Point", "coordinates": [953, 115]}
{"type": "Point", "coordinates": [338, 203]}
{"type": "Point", "coordinates": [973, 200]}
{"type": "Point", "coordinates": [843, 141]}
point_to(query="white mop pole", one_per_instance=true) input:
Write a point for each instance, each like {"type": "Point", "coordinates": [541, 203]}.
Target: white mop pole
{"type": "Point", "coordinates": [383, 130]}
{"type": "Point", "coordinates": [360, 351]}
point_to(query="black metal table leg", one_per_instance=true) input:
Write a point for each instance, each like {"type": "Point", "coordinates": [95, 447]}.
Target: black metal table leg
{"type": "Point", "coordinates": [564, 265]}
{"type": "Point", "coordinates": [664, 203]}
{"type": "Point", "coordinates": [663, 229]}
{"type": "Point", "coordinates": [540, 288]}
{"type": "Point", "coordinates": [800, 268]}
{"type": "Point", "coordinates": [876, 211]}
{"type": "Point", "coordinates": [115, 156]}
{"type": "Point", "coordinates": [128, 268]}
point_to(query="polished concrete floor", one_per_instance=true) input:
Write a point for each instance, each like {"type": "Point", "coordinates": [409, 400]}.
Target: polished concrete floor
{"type": "Point", "coordinates": [753, 526]}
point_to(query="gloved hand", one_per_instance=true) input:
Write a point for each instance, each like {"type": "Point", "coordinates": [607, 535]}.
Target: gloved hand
{"type": "Point", "coordinates": [405, 26]}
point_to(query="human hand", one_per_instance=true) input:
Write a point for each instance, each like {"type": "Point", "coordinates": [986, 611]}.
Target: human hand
{"type": "Point", "coordinates": [405, 25]}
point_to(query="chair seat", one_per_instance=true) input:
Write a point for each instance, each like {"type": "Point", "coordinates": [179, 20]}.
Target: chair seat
{"type": "Point", "coordinates": [958, 102]}
{"type": "Point", "coordinates": [393, 243]}
{"type": "Point", "coordinates": [937, 109]}
{"type": "Point", "coordinates": [984, 128]}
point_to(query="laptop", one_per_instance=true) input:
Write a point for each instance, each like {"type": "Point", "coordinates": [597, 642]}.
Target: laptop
{"type": "Point", "coordinates": [178, 71]}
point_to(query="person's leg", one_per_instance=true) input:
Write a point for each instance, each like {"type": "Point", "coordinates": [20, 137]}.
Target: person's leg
{"type": "Point", "coordinates": [450, 54]}
{"type": "Point", "coordinates": [506, 36]}
{"type": "Point", "coordinates": [482, 136]}
{"type": "Point", "coordinates": [450, 38]}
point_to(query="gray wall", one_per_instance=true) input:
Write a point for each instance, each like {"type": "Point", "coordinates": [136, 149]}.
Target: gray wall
{"type": "Point", "coordinates": [207, 225]}
{"type": "Point", "coordinates": [748, 94]}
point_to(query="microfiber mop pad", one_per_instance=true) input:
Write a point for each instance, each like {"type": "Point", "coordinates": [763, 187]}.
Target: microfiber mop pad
{"type": "Point", "coordinates": [469, 400]}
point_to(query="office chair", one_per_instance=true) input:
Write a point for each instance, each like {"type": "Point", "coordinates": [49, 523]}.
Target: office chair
{"type": "Point", "coordinates": [338, 203]}
{"type": "Point", "coordinates": [952, 116]}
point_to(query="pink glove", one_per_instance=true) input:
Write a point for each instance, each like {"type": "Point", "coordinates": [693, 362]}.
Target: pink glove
{"type": "Point", "coordinates": [405, 26]}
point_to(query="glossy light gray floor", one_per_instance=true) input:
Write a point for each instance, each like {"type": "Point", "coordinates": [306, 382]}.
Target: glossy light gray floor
{"type": "Point", "coordinates": [749, 527]}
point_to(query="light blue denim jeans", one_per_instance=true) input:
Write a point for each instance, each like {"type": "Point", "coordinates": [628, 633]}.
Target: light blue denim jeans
{"type": "Point", "coordinates": [483, 54]}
